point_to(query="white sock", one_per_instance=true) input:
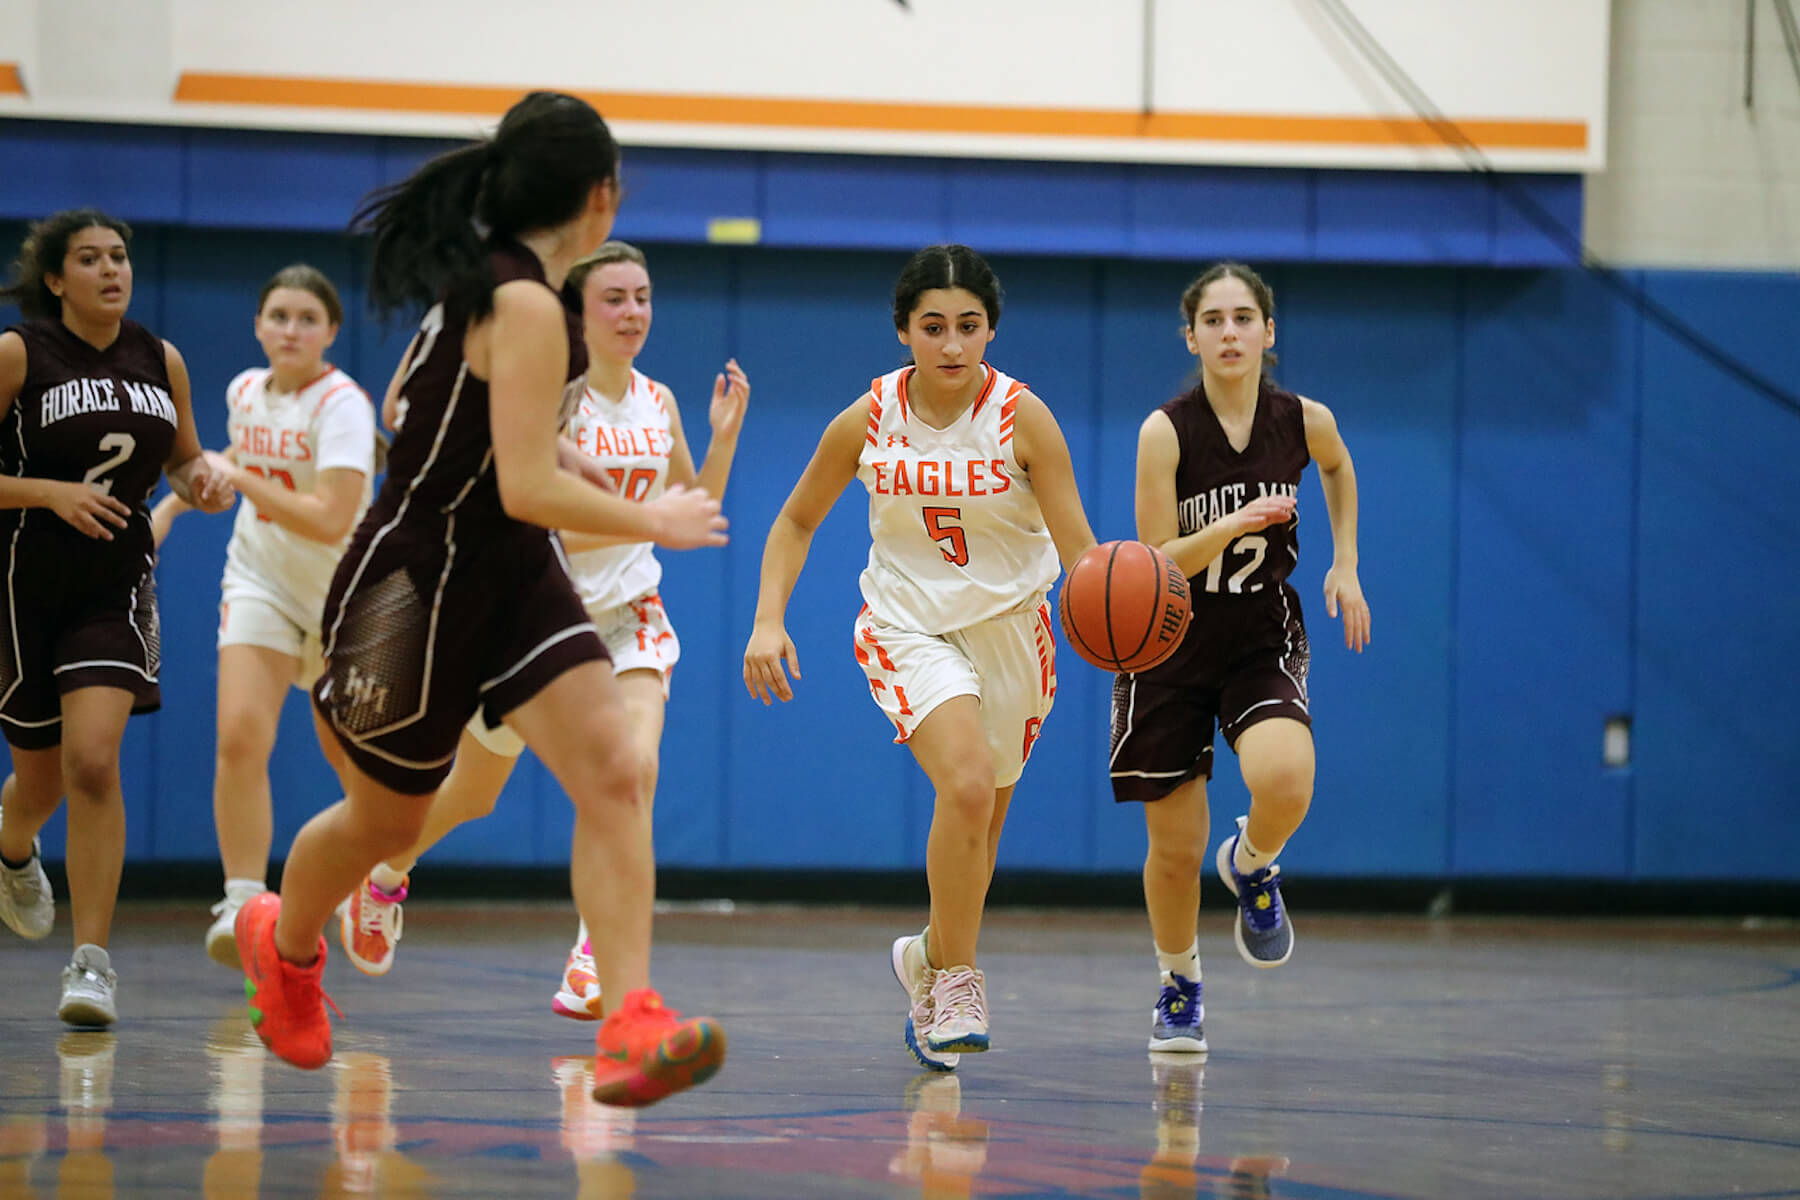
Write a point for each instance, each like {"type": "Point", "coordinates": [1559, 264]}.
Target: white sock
{"type": "Point", "coordinates": [1185, 963]}
{"type": "Point", "coordinates": [243, 889]}
{"type": "Point", "coordinates": [386, 878]}
{"type": "Point", "coordinates": [1247, 859]}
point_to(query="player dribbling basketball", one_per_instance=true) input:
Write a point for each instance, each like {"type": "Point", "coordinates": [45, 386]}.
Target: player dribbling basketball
{"type": "Point", "coordinates": [1218, 470]}
{"type": "Point", "coordinates": [972, 503]}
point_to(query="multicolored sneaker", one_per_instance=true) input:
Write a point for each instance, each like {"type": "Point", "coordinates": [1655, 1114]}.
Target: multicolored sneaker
{"type": "Point", "coordinates": [1264, 935]}
{"type": "Point", "coordinates": [915, 974]}
{"type": "Point", "coordinates": [369, 926]}
{"type": "Point", "coordinates": [645, 1051]}
{"type": "Point", "coordinates": [959, 1018]}
{"type": "Point", "coordinates": [287, 1003]}
{"type": "Point", "coordinates": [27, 906]}
{"type": "Point", "coordinates": [579, 996]}
{"type": "Point", "coordinates": [1177, 1021]}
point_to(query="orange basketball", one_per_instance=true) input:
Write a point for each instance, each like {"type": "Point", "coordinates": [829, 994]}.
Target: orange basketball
{"type": "Point", "coordinates": [1124, 606]}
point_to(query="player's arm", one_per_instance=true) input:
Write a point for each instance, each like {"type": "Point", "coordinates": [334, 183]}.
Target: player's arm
{"type": "Point", "coordinates": [392, 412]}
{"type": "Point", "coordinates": [1044, 453]}
{"type": "Point", "coordinates": [191, 476]}
{"type": "Point", "coordinates": [1158, 522]}
{"type": "Point", "coordinates": [94, 513]}
{"type": "Point", "coordinates": [725, 415]}
{"type": "Point", "coordinates": [324, 514]}
{"type": "Point", "coordinates": [832, 468]}
{"type": "Point", "coordinates": [526, 348]}
{"type": "Point", "coordinates": [163, 514]}
{"type": "Point", "coordinates": [1337, 477]}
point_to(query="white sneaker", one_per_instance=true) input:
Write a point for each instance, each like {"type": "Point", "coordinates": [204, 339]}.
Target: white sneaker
{"type": "Point", "coordinates": [89, 985]}
{"type": "Point", "coordinates": [959, 1020]}
{"type": "Point", "coordinates": [26, 904]}
{"type": "Point", "coordinates": [221, 935]}
{"type": "Point", "coordinates": [915, 975]}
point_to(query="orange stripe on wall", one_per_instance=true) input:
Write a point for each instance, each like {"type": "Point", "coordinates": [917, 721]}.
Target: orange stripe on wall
{"type": "Point", "coordinates": [205, 87]}
{"type": "Point", "coordinates": [11, 83]}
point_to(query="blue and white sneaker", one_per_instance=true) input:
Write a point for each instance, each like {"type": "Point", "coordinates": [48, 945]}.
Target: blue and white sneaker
{"type": "Point", "coordinates": [1177, 1022]}
{"type": "Point", "coordinates": [1264, 935]}
{"type": "Point", "coordinates": [917, 977]}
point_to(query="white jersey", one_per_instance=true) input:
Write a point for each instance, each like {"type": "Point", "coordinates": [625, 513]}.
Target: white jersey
{"type": "Point", "coordinates": [956, 533]}
{"type": "Point", "coordinates": [631, 438]}
{"type": "Point", "coordinates": [289, 438]}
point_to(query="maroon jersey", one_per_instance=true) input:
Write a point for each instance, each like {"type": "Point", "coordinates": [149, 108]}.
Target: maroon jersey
{"type": "Point", "coordinates": [100, 417]}
{"type": "Point", "coordinates": [442, 460]}
{"type": "Point", "coordinates": [1241, 600]}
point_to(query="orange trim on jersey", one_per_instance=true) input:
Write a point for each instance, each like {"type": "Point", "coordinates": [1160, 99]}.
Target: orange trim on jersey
{"type": "Point", "coordinates": [1007, 411]}
{"type": "Point", "coordinates": [286, 91]}
{"type": "Point", "coordinates": [1046, 649]}
{"type": "Point", "coordinates": [874, 413]}
{"type": "Point", "coordinates": [987, 389]}
{"type": "Point", "coordinates": [11, 82]}
{"type": "Point", "coordinates": [905, 375]}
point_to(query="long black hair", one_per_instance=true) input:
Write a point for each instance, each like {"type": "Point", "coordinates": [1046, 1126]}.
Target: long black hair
{"type": "Point", "coordinates": [430, 229]}
{"type": "Point", "coordinates": [46, 245]}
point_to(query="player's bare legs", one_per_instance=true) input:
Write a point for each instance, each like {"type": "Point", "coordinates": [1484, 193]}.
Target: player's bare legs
{"type": "Point", "coordinates": [576, 726]}
{"type": "Point", "coordinates": [1177, 828]}
{"type": "Point", "coordinates": [253, 682]}
{"type": "Point", "coordinates": [949, 994]}
{"type": "Point", "coordinates": [1276, 758]}
{"type": "Point", "coordinates": [93, 726]}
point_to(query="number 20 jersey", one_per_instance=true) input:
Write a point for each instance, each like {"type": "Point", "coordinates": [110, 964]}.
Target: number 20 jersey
{"type": "Point", "coordinates": [631, 440]}
{"type": "Point", "coordinates": [956, 533]}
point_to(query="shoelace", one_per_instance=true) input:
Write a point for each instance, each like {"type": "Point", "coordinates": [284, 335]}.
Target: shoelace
{"type": "Point", "coordinates": [1266, 882]}
{"type": "Point", "coordinates": [957, 996]}
{"type": "Point", "coordinates": [305, 983]}
{"type": "Point", "coordinates": [380, 913]}
{"type": "Point", "coordinates": [1176, 1001]}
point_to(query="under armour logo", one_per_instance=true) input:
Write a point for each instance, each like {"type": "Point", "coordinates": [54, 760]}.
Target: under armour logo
{"type": "Point", "coordinates": [896, 439]}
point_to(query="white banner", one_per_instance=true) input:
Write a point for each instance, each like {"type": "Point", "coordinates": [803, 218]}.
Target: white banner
{"type": "Point", "coordinates": [1203, 81]}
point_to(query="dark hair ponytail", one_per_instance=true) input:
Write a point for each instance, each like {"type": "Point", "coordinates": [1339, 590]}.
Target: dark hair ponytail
{"type": "Point", "coordinates": [42, 253]}
{"type": "Point", "coordinates": [431, 229]}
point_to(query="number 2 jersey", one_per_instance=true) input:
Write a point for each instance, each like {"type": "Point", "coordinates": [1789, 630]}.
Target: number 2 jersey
{"type": "Point", "coordinates": [956, 533]}
{"type": "Point", "coordinates": [288, 438]}
{"type": "Point", "coordinates": [631, 440]}
{"type": "Point", "coordinates": [101, 417]}
{"type": "Point", "coordinates": [1242, 601]}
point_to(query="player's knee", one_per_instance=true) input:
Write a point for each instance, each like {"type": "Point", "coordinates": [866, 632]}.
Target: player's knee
{"type": "Point", "coordinates": [244, 737]}
{"type": "Point", "coordinates": [968, 798]}
{"type": "Point", "coordinates": [90, 772]}
{"type": "Point", "coordinates": [1176, 858]}
{"type": "Point", "coordinates": [613, 776]}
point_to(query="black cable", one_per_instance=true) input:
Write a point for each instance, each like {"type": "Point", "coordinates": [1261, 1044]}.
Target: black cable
{"type": "Point", "coordinates": [1546, 222]}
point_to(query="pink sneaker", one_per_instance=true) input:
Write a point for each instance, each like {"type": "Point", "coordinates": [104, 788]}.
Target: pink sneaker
{"type": "Point", "coordinates": [579, 996]}
{"type": "Point", "coordinates": [369, 925]}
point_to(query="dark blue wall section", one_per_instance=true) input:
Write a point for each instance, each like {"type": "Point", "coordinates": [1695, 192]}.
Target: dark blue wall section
{"type": "Point", "coordinates": [216, 178]}
{"type": "Point", "coordinates": [1567, 515]}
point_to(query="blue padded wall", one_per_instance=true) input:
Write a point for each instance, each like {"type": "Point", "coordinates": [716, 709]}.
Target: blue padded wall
{"type": "Point", "coordinates": [1567, 514]}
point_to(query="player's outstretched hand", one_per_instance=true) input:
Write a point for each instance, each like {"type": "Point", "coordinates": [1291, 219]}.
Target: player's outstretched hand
{"type": "Point", "coordinates": [88, 509]}
{"type": "Point", "coordinates": [1343, 590]}
{"type": "Point", "coordinates": [730, 398]}
{"type": "Point", "coordinates": [769, 647]}
{"type": "Point", "coordinates": [209, 483]}
{"type": "Point", "coordinates": [687, 518]}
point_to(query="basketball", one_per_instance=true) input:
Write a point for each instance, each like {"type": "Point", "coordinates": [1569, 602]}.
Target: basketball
{"type": "Point", "coordinates": [1124, 606]}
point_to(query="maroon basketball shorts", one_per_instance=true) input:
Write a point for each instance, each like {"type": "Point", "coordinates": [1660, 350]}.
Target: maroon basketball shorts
{"type": "Point", "coordinates": [1162, 732]}
{"type": "Point", "coordinates": [420, 633]}
{"type": "Point", "coordinates": [66, 629]}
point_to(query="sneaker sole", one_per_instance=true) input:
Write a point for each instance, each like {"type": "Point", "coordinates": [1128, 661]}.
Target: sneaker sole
{"type": "Point", "coordinates": [1178, 1045]}
{"type": "Point", "coordinates": [567, 1004]}
{"type": "Point", "coordinates": [686, 1058]}
{"type": "Point", "coordinates": [968, 1043]}
{"type": "Point", "coordinates": [85, 1014]}
{"type": "Point", "coordinates": [925, 1058]}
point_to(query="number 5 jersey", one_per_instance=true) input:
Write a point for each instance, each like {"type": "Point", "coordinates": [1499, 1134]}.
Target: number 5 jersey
{"type": "Point", "coordinates": [956, 533]}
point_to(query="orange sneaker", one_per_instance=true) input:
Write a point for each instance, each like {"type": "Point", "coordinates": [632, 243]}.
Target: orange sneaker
{"type": "Point", "coordinates": [369, 925]}
{"type": "Point", "coordinates": [287, 1005]}
{"type": "Point", "coordinates": [579, 996]}
{"type": "Point", "coordinates": [645, 1051]}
